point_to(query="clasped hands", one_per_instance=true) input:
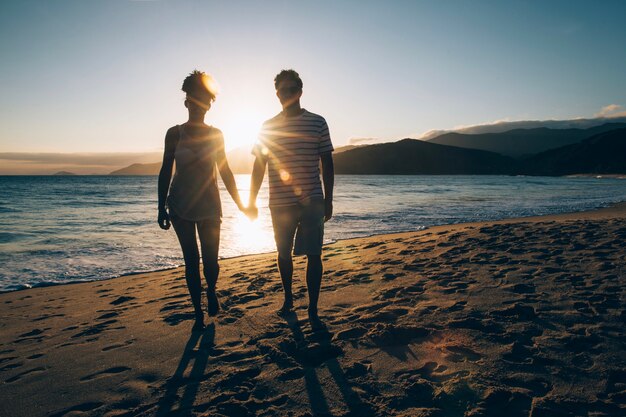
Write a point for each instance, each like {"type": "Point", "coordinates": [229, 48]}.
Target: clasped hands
{"type": "Point", "coordinates": [251, 211]}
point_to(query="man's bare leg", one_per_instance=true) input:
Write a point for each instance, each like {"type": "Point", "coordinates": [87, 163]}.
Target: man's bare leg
{"type": "Point", "coordinates": [314, 272]}
{"type": "Point", "coordinates": [285, 267]}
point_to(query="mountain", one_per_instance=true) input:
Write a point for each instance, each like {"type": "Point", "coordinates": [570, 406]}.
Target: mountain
{"type": "Point", "coordinates": [522, 142]}
{"type": "Point", "coordinates": [604, 153]}
{"type": "Point", "coordinates": [240, 161]}
{"type": "Point", "coordinates": [139, 169]}
{"type": "Point", "coordinates": [63, 173]}
{"type": "Point", "coordinates": [412, 156]}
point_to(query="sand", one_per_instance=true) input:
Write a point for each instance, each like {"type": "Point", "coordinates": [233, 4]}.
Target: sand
{"type": "Point", "coordinates": [521, 317]}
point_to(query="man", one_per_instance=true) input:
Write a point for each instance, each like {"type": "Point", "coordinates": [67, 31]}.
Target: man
{"type": "Point", "coordinates": [291, 145]}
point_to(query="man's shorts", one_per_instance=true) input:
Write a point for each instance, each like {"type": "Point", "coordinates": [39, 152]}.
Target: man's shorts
{"type": "Point", "coordinates": [305, 221]}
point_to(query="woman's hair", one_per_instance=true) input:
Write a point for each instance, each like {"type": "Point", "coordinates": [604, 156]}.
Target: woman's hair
{"type": "Point", "coordinates": [200, 86]}
{"type": "Point", "coordinates": [288, 75]}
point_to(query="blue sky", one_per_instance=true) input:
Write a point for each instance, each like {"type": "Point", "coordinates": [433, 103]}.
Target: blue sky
{"type": "Point", "coordinates": [105, 76]}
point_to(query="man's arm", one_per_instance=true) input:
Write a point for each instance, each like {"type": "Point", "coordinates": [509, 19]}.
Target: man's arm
{"type": "Point", "coordinates": [258, 172]}
{"type": "Point", "coordinates": [328, 177]}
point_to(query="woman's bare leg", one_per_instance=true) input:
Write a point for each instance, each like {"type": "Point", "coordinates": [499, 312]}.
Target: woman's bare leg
{"type": "Point", "coordinates": [209, 232]}
{"type": "Point", "coordinates": [186, 232]}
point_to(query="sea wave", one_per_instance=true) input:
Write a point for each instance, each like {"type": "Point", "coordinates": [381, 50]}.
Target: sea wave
{"type": "Point", "coordinates": [11, 237]}
{"type": "Point", "coordinates": [105, 235]}
{"type": "Point", "coordinates": [8, 210]}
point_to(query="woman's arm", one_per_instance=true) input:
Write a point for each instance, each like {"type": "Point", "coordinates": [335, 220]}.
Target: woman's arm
{"type": "Point", "coordinates": [165, 175]}
{"type": "Point", "coordinates": [227, 175]}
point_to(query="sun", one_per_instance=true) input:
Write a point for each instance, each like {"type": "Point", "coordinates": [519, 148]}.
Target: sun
{"type": "Point", "coordinates": [253, 236]}
{"type": "Point", "coordinates": [241, 129]}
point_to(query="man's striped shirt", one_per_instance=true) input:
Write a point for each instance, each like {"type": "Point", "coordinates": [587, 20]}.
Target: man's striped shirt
{"type": "Point", "coordinates": [292, 147]}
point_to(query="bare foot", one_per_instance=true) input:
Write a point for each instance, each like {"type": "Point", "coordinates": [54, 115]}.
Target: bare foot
{"type": "Point", "coordinates": [315, 321]}
{"type": "Point", "coordinates": [287, 308]}
{"type": "Point", "coordinates": [213, 304]}
{"type": "Point", "coordinates": [198, 326]}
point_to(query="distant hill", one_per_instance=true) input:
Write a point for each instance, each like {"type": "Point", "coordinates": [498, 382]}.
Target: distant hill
{"type": "Point", "coordinates": [240, 161]}
{"type": "Point", "coordinates": [139, 169]}
{"type": "Point", "coordinates": [604, 153]}
{"type": "Point", "coordinates": [412, 156]}
{"type": "Point", "coordinates": [522, 142]}
{"type": "Point", "coordinates": [64, 173]}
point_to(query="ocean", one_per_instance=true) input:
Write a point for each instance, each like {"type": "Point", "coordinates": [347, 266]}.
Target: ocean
{"type": "Point", "coordinates": [62, 229]}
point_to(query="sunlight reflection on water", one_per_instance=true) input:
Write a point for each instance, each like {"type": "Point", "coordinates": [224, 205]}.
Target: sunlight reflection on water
{"type": "Point", "coordinates": [62, 229]}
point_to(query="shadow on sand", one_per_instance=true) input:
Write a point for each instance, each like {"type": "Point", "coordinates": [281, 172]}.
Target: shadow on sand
{"type": "Point", "coordinates": [317, 351]}
{"type": "Point", "coordinates": [196, 354]}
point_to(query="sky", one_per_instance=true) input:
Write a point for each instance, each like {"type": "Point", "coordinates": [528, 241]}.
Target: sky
{"type": "Point", "coordinates": [105, 76]}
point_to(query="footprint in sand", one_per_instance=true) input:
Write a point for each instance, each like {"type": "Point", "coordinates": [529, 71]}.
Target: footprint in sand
{"type": "Point", "coordinates": [177, 318]}
{"type": "Point", "coordinates": [360, 278]}
{"type": "Point", "coordinates": [36, 356]}
{"type": "Point", "coordinates": [35, 335]}
{"type": "Point", "coordinates": [118, 345]}
{"type": "Point", "coordinates": [462, 354]}
{"type": "Point", "coordinates": [457, 306]}
{"type": "Point", "coordinates": [106, 372]}
{"type": "Point", "coordinates": [80, 408]}
{"type": "Point", "coordinates": [616, 385]}
{"type": "Point", "coordinates": [11, 366]}
{"type": "Point", "coordinates": [121, 300]}
{"type": "Point", "coordinates": [391, 335]}
{"type": "Point", "coordinates": [175, 305]}
{"type": "Point", "coordinates": [48, 316]}
{"type": "Point", "coordinates": [539, 387]}
{"type": "Point", "coordinates": [108, 315]}
{"type": "Point", "coordinates": [432, 371]}
{"type": "Point", "coordinates": [95, 329]}
{"type": "Point", "coordinates": [518, 311]}
{"type": "Point", "coordinates": [350, 334]}
{"type": "Point", "coordinates": [7, 359]}
{"type": "Point", "coordinates": [25, 373]}
{"type": "Point", "coordinates": [521, 288]}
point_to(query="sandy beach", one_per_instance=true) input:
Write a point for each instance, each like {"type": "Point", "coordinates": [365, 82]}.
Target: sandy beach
{"type": "Point", "coordinates": [522, 317]}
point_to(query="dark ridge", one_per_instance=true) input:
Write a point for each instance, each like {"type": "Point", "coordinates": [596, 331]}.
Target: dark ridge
{"type": "Point", "coordinates": [604, 153]}
{"type": "Point", "coordinates": [416, 157]}
{"type": "Point", "coordinates": [523, 142]}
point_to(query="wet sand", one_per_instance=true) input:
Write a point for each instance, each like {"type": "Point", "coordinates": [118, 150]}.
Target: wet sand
{"type": "Point", "coordinates": [522, 317]}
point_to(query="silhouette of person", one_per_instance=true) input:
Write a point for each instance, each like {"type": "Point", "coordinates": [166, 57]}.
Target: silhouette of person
{"type": "Point", "coordinates": [193, 197]}
{"type": "Point", "coordinates": [291, 145]}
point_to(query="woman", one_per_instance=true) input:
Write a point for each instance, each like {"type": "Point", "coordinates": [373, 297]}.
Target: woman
{"type": "Point", "coordinates": [194, 199]}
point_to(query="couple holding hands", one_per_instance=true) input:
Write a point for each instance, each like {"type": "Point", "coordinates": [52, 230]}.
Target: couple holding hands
{"type": "Point", "coordinates": [291, 146]}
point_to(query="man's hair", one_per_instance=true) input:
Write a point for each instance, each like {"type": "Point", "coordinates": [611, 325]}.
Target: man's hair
{"type": "Point", "coordinates": [200, 86]}
{"type": "Point", "coordinates": [288, 75]}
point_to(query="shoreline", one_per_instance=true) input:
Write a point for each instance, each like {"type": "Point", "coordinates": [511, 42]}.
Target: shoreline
{"type": "Point", "coordinates": [519, 317]}
{"type": "Point", "coordinates": [132, 273]}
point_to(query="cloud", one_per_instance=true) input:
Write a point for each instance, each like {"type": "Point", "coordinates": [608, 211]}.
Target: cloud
{"type": "Point", "coordinates": [362, 141]}
{"type": "Point", "coordinates": [612, 110]}
{"type": "Point", "coordinates": [612, 113]}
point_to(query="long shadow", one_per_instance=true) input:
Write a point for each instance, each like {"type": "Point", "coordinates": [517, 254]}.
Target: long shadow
{"type": "Point", "coordinates": [319, 404]}
{"type": "Point", "coordinates": [200, 357]}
